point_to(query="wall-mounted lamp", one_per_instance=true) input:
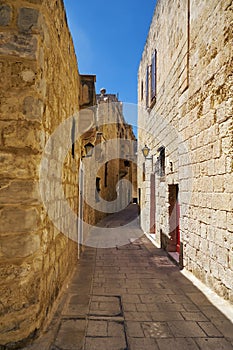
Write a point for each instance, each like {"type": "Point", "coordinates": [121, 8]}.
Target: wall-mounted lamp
{"type": "Point", "coordinates": [89, 147]}
{"type": "Point", "coordinates": [146, 151]}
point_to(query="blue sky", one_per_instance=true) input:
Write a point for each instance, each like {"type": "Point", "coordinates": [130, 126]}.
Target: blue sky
{"type": "Point", "coordinates": [109, 38]}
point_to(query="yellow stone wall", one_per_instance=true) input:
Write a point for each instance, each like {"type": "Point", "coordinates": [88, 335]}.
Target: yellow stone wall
{"type": "Point", "coordinates": [39, 89]}
{"type": "Point", "coordinates": [192, 118]}
{"type": "Point", "coordinates": [111, 127]}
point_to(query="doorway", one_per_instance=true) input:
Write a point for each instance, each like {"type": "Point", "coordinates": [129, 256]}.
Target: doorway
{"type": "Point", "coordinates": [152, 204]}
{"type": "Point", "coordinates": [174, 219]}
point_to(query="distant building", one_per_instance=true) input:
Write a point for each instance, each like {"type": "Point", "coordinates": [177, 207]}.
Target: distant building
{"type": "Point", "coordinates": [114, 160]}
{"type": "Point", "coordinates": [185, 120]}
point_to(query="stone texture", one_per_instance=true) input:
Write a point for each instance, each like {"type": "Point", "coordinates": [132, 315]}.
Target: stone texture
{"type": "Point", "coordinates": [112, 331]}
{"type": "Point", "coordinates": [20, 45]}
{"type": "Point", "coordinates": [5, 15]}
{"type": "Point", "coordinates": [66, 339]}
{"type": "Point", "coordinates": [35, 257]}
{"type": "Point", "coordinates": [27, 19]}
{"type": "Point", "coordinates": [192, 118]}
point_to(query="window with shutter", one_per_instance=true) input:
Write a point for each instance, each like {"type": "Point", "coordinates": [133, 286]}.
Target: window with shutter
{"type": "Point", "coordinates": [147, 86]}
{"type": "Point", "coordinates": [153, 75]}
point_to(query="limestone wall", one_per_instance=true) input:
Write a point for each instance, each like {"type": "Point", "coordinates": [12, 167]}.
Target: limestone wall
{"type": "Point", "coordinates": [192, 118]}
{"type": "Point", "coordinates": [39, 89]}
{"type": "Point", "coordinates": [105, 165]}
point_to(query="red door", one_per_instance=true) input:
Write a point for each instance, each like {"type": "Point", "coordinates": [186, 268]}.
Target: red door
{"type": "Point", "coordinates": [177, 227]}
{"type": "Point", "coordinates": [174, 219]}
{"type": "Point", "coordinates": [152, 204]}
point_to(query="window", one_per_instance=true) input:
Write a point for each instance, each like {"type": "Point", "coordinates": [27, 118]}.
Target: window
{"type": "Point", "coordinates": [147, 85]}
{"type": "Point", "coordinates": [153, 75]}
{"type": "Point", "coordinates": [142, 92]}
{"type": "Point", "coordinates": [73, 138]}
{"type": "Point", "coordinates": [161, 161]}
{"type": "Point", "coordinates": [151, 79]}
{"type": "Point", "coordinates": [143, 172]}
{"type": "Point", "coordinates": [106, 175]}
{"type": "Point", "coordinates": [97, 182]}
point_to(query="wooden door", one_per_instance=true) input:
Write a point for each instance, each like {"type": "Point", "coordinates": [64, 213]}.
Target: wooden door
{"type": "Point", "coordinates": [174, 219]}
{"type": "Point", "coordinates": [152, 204]}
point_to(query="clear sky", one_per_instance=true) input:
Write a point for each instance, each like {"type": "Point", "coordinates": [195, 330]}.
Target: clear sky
{"type": "Point", "coordinates": [109, 38]}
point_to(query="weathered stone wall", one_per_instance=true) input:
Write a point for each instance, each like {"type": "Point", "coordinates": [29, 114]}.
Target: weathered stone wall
{"type": "Point", "coordinates": [105, 163]}
{"type": "Point", "coordinates": [192, 118]}
{"type": "Point", "coordinates": [39, 89]}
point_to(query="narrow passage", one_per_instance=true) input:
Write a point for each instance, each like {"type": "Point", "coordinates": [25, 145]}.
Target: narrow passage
{"type": "Point", "coordinates": [132, 297]}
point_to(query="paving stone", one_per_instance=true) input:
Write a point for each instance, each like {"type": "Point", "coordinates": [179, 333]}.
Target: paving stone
{"type": "Point", "coordinates": [194, 316]}
{"type": "Point", "coordinates": [77, 305]}
{"type": "Point", "coordinates": [183, 329]}
{"type": "Point", "coordinates": [105, 307]}
{"type": "Point", "coordinates": [210, 329]}
{"type": "Point", "coordinates": [180, 298]}
{"type": "Point", "coordinates": [161, 308]}
{"type": "Point", "coordinates": [199, 299]}
{"type": "Point", "coordinates": [143, 344]}
{"type": "Point", "coordinates": [179, 344]}
{"type": "Point", "coordinates": [152, 307]}
{"type": "Point", "coordinates": [105, 344]}
{"type": "Point", "coordinates": [166, 316]}
{"type": "Point", "coordinates": [156, 330]}
{"type": "Point", "coordinates": [190, 307]}
{"type": "Point", "coordinates": [137, 316]}
{"type": "Point", "coordinates": [225, 327]}
{"type": "Point", "coordinates": [116, 329]}
{"type": "Point", "coordinates": [154, 298]}
{"type": "Point", "coordinates": [213, 344]}
{"type": "Point", "coordinates": [141, 307]}
{"type": "Point", "coordinates": [212, 312]}
{"type": "Point", "coordinates": [134, 329]}
{"type": "Point", "coordinates": [130, 298]}
{"type": "Point", "coordinates": [129, 307]}
{"type": "Point", "coordinates": [71, 335]}
{"type": "Point", "coordinates": [169, 307]}
{"type": "Point", "coordinates": [97, 328]}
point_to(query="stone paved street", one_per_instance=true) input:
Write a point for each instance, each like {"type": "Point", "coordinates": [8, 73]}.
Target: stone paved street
{"type": "Point", "coordinates": [133, 297]}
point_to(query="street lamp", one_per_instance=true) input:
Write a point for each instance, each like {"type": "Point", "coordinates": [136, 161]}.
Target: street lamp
{"type": "Point", "coordinates": [146, 151]}
{"type": "Point", "coordinates": [89, 147]}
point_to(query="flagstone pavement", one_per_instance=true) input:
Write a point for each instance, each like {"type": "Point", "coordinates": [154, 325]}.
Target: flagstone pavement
{"type": "Point", "coordinates": [132, 297]}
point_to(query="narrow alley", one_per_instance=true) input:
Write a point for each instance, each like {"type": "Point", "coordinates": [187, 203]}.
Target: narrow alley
{"type": "Point", "coordinates": [133, 297]}
{"type": "Point", "coordinates": [108, 112]}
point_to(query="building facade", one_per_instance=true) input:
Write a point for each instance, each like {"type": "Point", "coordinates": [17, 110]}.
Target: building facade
{"type": "Point", "coordinates": [109, 176]}
{"type": "Point", "coordinates": [47, 119]}
{"type": "Point", "coordinates": [40, 88]}
{"type": "Point", "coordinates": [186, 132]}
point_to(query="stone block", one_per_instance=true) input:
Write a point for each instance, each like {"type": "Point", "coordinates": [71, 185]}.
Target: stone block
{"type": "Point", "coordinates": [22, 135]}
{"type": "Point", "coordinates": [230, 221]}
{"type": "Point", "coordinates": [213, 343]}
{"type": "Point", "coordinates": [27, 19]}
{"type": "Point", "coordinates": [97, 329]}
{"type": "Point", "coordinates": [210, 329]}
{"type": "Point", "coordinates": [16, 166]}
{"type": "Point", "coordinates": [33, 108]}
{"type": "Point", "coordinates": [5, 15]}
{"type": "Point", "coordinates": [178, 343]}
{"type": "Point", "coordinates": [19, 246]}
{"type": "Point", "coordinates": [157, 329]}
{"type": "Point", "coordinates": [104, 343]}
{"type": "Point", "coordinates": [71, 335]}
{"type": "Point", "coordinates": [14, 219]}
{"type": "Point", "coordinates": [20, 45]}
{"type": "Point", "coordinates": [19, 192]}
